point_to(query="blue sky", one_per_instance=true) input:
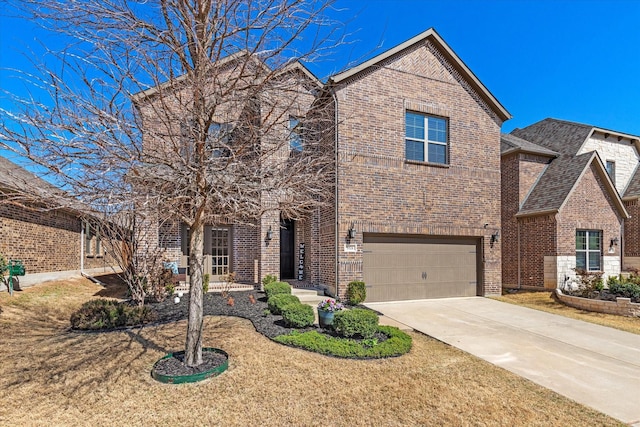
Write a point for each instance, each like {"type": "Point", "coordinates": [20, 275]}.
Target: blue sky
{"type": "Point", "coordinates": [573, 60]}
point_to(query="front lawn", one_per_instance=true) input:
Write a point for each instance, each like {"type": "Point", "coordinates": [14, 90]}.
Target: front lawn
{"type": "Point", "coordinates": [51, 375]}
{"type": "Point", "coordinates": [544, 302]}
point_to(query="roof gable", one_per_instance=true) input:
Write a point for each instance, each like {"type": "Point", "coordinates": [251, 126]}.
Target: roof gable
{"type": "Point", "coordinates": [557, 135]}
{"type": "Point", "coordinates": [431, 36]}
{"type": "Point", "coordinates": [555, 186]}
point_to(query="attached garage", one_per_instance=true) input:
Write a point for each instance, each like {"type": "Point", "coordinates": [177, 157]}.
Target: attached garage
{"type": "Point", "coordinates": [406, 267]}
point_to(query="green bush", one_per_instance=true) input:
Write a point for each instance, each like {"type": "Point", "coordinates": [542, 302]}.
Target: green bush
{"type": "Point", "coordinates": [396, 344]}
{"type": "Point", "coordinates": [206, 278]}
{"type": "Point", "coordinates": [277, 288]}
{"type": "Point", "coordinates": [296, 315]}
{"type": "Point", "coordinates": [356, 292]}
{"type": "Point", "coordinates": [269, 278]}
{"type": "Point", "coordinates": [625, 290]}
{"type": "Point", "coordinates": [110, 314]}
{"type": "Point", "coordinates": [613, 281]}
{"type": "Point", "coordinates": [277, 301]}
{"type": "Point", "coordinates": [356, 322]}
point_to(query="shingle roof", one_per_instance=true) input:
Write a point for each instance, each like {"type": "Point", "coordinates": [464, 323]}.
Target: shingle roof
{"type": "Point", "coordinates": [633, 188]}
{"type": "Point", "coordinates": [511, 143]}
{"type": "Point", "coordinates": [15, 178]}
{"type": "Point", "coordinates": [557, 135]}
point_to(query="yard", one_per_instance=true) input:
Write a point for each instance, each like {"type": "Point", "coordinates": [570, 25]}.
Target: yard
{"type": "Point", "coordinates": [50, 376]}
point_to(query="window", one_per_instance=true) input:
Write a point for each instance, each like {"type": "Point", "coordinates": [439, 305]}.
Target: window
{"type": "Point", "coordinates": [588, 250]}
{"type": "Point", "coordinates": [88, 248]}
{"type": "Point", "coordinates": [611, 170]}
{"type": "Point", "coordinates": [92, 242]}
{"type": "Point", "coordinates": [295, 134]}
{"type": "Point", "coordinates": [426, 138]}
{"type": "Point", "coordinates": [218, 138]}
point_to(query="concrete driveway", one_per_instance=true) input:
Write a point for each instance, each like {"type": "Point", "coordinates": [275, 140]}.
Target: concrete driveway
{"type": "Point", "coordinates": [594, 365]}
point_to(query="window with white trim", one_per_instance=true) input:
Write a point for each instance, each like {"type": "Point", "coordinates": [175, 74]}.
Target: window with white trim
{"type": "Point", "coordinates": [426, 138]}
{"type": "Point", "coordinates": [589, 250]}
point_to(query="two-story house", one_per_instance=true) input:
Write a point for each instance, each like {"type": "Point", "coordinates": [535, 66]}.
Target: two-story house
{"type": "Point", "coordinates": [415, 205]}
{"type": "Point", "coordinates": [569, 200]}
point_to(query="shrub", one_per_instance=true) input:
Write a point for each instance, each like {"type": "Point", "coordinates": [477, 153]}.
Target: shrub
{"type": "Point", "coordinates": [356, 322]}
{"type": "Point", "coordinates": [277, 288]}
{"type": "Point", "coordinates": [297, 315]}
{"type": "Point", "coordinates": [277, 301]}
{"type": "Point", "coordinates": [269, 278]}
{"type": "Point", "coordinates": [625, 290]}
{"type": "Point", "coordinates": [396, 344]}
{"type": "Point", "coordinates": [356, 292]}
{"type": "Point", "coordinates": [109, 314]}
{"type": "Point", "coordinates": [205, 282]}
{"type": "Point", "coordinates": [588, 282]}
{"type": "Point", "coordinates": [613, 281]}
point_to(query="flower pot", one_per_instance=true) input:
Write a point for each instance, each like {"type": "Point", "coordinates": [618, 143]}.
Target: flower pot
{"type": "Point", "coordinates": [325, 318]}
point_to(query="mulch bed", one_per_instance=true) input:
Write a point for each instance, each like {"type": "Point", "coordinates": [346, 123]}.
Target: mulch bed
{"type": "Point", "coordinates": [174, 366]}
{"type": "Point", "coordinates": [215, 304]}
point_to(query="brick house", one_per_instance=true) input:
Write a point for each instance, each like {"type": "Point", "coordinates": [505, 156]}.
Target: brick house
{"type": "Point", "coordinates": [52, 243]}
{"type": "Point", "coordinates": [416, 201]}
{"type": "Point", "coordinates": [566, 202]}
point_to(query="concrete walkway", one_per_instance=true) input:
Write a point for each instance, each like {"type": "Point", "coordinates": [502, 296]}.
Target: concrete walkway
{"type": "Point", "coordinates": [593, 365]}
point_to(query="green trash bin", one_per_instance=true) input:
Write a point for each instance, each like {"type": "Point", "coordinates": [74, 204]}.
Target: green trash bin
{"type": "Point", "coordinates": [16, 268]}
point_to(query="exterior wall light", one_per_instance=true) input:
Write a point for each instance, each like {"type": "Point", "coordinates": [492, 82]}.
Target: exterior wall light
{"type": "Point", "coordinates": [351, 234]}
{"type": "Point", "coordinates": [614, 242]}
{"type": "Point", "coordinates": [495, 237]}
{"type": "Point", "coordinates": [269, 235]}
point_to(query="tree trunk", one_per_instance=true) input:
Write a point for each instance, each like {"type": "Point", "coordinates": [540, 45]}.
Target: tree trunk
{"type": "Point", "coordinates": [193, 347]}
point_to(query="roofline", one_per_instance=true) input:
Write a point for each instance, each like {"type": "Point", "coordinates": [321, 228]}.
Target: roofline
{"type": "Point", "coordinates": [537, 213]}
{"type": "Point", "coordinates": [610, 187]}
{"type": "Point", "coordinates": [139, 96]}
{"type": "Point", "coordinates": [635, 140]}
{"type": "Point", "coordinates": [300, 66]}
{"type": "Point", "coordinates": [515, 150]}
{"type": "Point", "coordinates": [431, 33]}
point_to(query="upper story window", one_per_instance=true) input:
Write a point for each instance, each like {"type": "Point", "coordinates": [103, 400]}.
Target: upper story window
{"type": "Point", "coordinates": [217, 142]}
{"type": "Point", "coordinates": [426, 138]}
{"type": "Point", "coordinates": [611, 170]}
{"type": "Point", "coordinates": [295, 134]}
{"type": "Point", "coordinates": [588, 250]}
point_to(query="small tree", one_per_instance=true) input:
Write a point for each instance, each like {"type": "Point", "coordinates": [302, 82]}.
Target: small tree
{"type": "Point", "coordinates": [183, 110]}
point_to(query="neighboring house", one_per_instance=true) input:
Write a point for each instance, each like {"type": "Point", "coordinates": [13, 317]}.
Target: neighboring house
{"type": "Point", "coordinates": [52, 243]}
{"type": "Point", "coordinates": [566, 202]}
{"type": "Point", "coordinates": [416, 210]}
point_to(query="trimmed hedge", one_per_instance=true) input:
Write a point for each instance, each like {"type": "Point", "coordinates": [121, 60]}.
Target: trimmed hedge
{"type": "Point", "coordinates": [297, 315]}
{"type": "Point", "coordinates": [356, 322]}
{"type": "Point", "coordinates": [275, 288]}
{"type": "Point", "coordinates": [356, 292]}
{"type": "Point", "coordinates": [277, 301]}
{"type": "Point", "coordinates": [110, 314]}
{"type": "Point", "coordinates": [397, 344]}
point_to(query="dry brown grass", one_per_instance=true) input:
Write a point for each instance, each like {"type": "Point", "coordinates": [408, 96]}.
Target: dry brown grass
{"type": "Point", "coordinates": [50, 376]}
{"type": "Point", "coordinates": [543, 301]}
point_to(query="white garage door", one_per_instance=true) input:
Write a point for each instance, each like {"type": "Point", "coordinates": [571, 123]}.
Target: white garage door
{"type": "Point", "coordinates": [406, 268]}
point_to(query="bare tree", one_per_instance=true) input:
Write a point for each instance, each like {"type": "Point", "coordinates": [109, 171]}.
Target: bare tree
{"type": "Point", "coordinates": [193, 110]}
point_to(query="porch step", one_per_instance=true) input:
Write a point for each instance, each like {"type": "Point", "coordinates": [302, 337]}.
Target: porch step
{"type": "Point", "coordinates": [309, 296]}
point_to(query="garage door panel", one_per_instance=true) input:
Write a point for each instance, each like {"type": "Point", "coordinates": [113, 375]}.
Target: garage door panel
{"type": "Point", "coordinates": [417, 268]}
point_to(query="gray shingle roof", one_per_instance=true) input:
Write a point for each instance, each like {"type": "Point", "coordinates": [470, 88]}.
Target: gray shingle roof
{"type": "Point", "coordinates": [16, 178]}
{"type": "Point", "coordinates": [511, 143]}
{"type": "Point", "coordinates": [555, 184]}
{"type": "Point", "coordinates": [557, 135]}
{"type": "Point", "coordinates": [633, 188]}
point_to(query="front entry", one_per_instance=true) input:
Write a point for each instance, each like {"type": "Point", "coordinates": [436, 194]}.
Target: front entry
{"type": "Point", "coordinates": [287, 249]}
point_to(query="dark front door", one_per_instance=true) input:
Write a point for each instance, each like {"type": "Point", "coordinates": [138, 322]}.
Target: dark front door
{"type": "Point", "coordinates": [287, 249]}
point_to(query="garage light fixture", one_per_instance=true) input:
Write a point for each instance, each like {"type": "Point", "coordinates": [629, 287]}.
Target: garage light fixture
{"type": "Point", "coordinates": [351, 234]}
{"type": "Point", "coordinates": [495, 237]}
{"type": "Point", "coordinates": [614, 242]}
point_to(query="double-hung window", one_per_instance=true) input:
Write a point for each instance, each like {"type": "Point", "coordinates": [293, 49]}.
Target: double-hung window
{"type": "Point", "coordinates": [426, 138]}
{"type": "Point", "coordinates": [588, 250]}
{"type": "Point", "coordinates": [611, 170]}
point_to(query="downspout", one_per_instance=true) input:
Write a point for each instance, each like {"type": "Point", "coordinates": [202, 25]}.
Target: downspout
{"type": "Point", "coordinates": [81, 247]}
{"type": "Point", "coordinates": [337, 230]}
{"type": "Point", "coordinates": [622, 246]}
{"type": "Point", "coordinates": [519, 279]}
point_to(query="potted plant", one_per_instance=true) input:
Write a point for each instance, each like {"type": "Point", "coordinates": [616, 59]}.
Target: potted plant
{"type": "Point", "coordinates": [326, 310]}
